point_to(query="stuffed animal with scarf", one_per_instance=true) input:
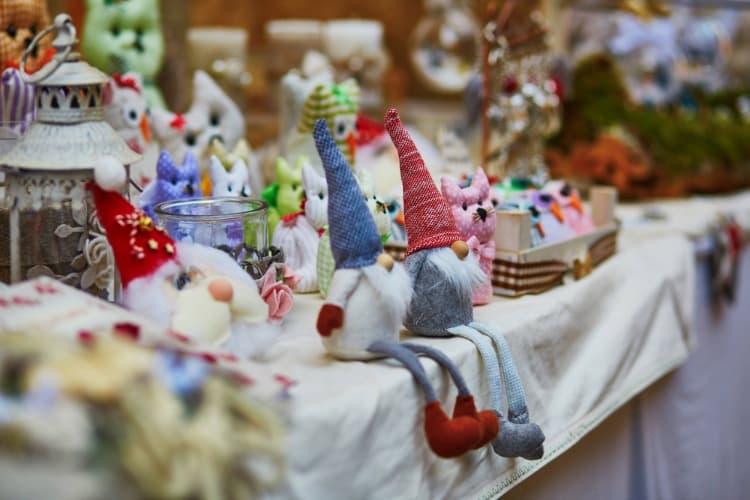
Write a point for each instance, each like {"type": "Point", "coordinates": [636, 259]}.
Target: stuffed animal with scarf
{"type": "Point", "coordinates": [338, 104]}
{"type": "Point", "coordinates": [368, 300]}
{"type": "Point", "coordinates": [299, 234]}
{"type": "Point", "coordinates": [284, 197]}
{"type": "Point", "coordinates": [475, 218]}
{"type": "Point", "coordinates": [444, 274]}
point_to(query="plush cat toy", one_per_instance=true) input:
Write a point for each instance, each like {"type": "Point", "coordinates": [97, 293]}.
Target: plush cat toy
{"type": "Point", "coordinates": [229, 184]}
{"type": "Point", "coordinates": [338, 104]}
{"type": "Point", "coordinates": [126, 110]}
{"type": "Point", "coordinates": [211, 115]}
{"type": "Point", "coordinates": [368, 299]}
{"type": "Point", "coordinates": [284, 197]}
{"type": "Point", "coordinates": [195, 290]}
{"type": "Point", "coordinates": [570, 203]}
{"type": "Point", "coordinates": [298, 234]}
{"type": "Point", "coordinates": [475, 218]}
{"type": "Point", "coordinates": [172, 182]}
{"type": "Point", "coordinates": [228, 158]}
{"type": "Point", "coordinates": [125, 35]}
{"type": "Point", "coordinates": [20, 21]}
{"type": "Point", "coordinates": [379, 213]}
{"type": "Point", "coordinates": [444, 273]}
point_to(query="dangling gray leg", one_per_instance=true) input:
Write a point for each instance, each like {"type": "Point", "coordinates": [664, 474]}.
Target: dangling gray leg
{"type": "Point", "coordinates": [515, 395]}
{"type": "Point", "coordinates": [410, 362]}
{"type": "Point", "coordinates": [517, 436]}
{"type": "Point", "coordinates": [447, 437]}
{"type": "Point", "coordinates": [444, 361]}
{"type": "Point", "coordinates": [489, 360]}
{"type": "Point", "coordinates": [465, 405]}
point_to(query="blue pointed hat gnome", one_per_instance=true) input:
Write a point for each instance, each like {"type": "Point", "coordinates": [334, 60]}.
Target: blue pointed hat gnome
{"type": "Point", "coordinates": [347, 210]}
{"type": "Point", "coordinates": [367, 303]}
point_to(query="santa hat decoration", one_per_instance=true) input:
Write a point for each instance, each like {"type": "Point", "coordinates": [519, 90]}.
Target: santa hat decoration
{"type": "Point", "coordinates": [139, 246]}
{"type": "Point", "coordinates": [355, 241]}
{"type": "Point", "coordinates": [428, 218]}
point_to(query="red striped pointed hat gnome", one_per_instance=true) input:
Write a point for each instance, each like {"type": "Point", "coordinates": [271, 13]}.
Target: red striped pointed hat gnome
{"type": "Point", "coordinates": [441, 305]}
{"type": "Point", "coordinates": [194, 289]}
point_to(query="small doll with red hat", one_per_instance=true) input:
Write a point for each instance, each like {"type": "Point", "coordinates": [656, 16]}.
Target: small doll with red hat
{"type": "Point", "coordinates": [444, 274]}
{"type": "Point", "coordinates": [367, 302]}
{"type": "Point", "coordinates": [193, 289]}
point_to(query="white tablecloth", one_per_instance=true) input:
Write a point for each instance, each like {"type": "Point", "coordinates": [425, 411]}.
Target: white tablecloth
{"type": "Point", "coordinates": [583, 350]}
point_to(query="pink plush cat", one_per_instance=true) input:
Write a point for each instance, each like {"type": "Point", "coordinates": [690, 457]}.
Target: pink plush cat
{"type": "Point", "coordinates": [475, 217]}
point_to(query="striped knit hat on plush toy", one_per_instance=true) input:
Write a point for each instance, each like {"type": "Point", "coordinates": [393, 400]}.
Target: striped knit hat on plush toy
{"type": "Point", "coordinates": [355, 241]}
{"type": "Point", "coordinates": [428, 218]}
{"type": "Point", "coordinates": [139, 246]}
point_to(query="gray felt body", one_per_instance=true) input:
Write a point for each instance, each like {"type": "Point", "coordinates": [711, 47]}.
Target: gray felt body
{"type": "Point", "coordinates": [435, 306]}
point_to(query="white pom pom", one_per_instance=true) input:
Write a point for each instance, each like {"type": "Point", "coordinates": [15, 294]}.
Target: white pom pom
{"type": "Point", "coordinates": [109, 174]}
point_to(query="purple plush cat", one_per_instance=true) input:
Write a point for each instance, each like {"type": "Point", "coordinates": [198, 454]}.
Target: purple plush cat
{"type": "Point", "coordinates": [172, 182]}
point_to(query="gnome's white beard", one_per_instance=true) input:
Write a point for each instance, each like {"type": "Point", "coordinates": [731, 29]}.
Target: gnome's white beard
{"type": "Point", "coordinates": [464, 275]}
{"type": "Point", "coordinates": [394, 288]}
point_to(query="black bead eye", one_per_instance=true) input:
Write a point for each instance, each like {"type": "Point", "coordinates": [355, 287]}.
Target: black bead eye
{"type": "Point", "coordinates": [229, 188]}
{"type": "Point", "coordinates": [464, 206]}
{"type": "Point", "coordinates": [115, 30]}
{"type": "Point", "coordinates": [295, 187]}
{"type": "Point", "coordinates": [244, 192]}
{"type": "Point", "coordinates": [190, 140]}
{"type": "Point", "coordinates": [33, 29]}
{"type": "Point", "coordinates": [545, 198]}
{"type": "Point", "coordinates": [341, 128]}
{"type": "Point", "coordinates": [495, 201]}
{"type": "Point", "coordinates": [133, 115]}
{"type": "Point", "coordinates": [479, 203]}
{"type": "Point", "coordinates": [181, 281]}
{"type": "Point", "coordinates": [174, 181]}
{"type": "Point", "coordinates": [565, 190]}
{"type": "Point", "coordinates": [534, 211]}
{"type": "Point", "coordinates": [320, 196]}
{"type": "Point", "coordinates": [11, 31]}
{"type": "Point", "coordinates": [214, 119]}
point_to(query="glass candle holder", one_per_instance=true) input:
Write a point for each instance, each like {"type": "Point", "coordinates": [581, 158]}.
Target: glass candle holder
{"type": "Point", "coordinates": [237, 226]}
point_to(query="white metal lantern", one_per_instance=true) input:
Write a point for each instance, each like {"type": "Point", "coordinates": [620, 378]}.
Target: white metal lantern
{"type": "Point", "coordinates": [48, 225]}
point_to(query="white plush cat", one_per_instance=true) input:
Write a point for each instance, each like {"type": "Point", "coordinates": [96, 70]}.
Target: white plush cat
{"type": "Point", "coordinates": [212, 114]}
{"type": "Point", "coordinates": [316, 193]}
{"type": "Point", "coordinates": [232, 183]}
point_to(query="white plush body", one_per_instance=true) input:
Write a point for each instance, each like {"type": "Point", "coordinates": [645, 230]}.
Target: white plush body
{"type": "Point", "coordinates": [229, 184]}
{"type": "Point", "coordinates": [374, 301]}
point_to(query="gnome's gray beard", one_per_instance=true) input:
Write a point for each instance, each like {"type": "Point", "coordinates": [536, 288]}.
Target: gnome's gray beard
{"type": "Point", "coordinates": [394, 287]}
{"type": "Point", "coordinates": [463, 275]}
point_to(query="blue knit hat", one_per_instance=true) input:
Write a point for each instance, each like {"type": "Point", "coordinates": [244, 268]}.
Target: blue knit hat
{"type": "Point", "coordinates": [355, 241]}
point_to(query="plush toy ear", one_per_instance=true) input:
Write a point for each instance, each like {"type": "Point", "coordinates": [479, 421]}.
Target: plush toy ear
{"type": "Point", "coordinates": [481, 183]}
{"type": "Point", "coordinates": [239, 167]}
{"type": "Point", "coordinates": [311, 180]}
{"type": "Point", "coordinates": [165, 167]}
{"type": "Point", "coordinates": [216, 170]}
{"type": "Point", "coordinates": [283, 171]}
{"type": "Point", "coordinates": [242, 150]}
{"type": "Point", "coordinates": [189, 163]}
{"type": "Point", "coordinates": [451, 191]}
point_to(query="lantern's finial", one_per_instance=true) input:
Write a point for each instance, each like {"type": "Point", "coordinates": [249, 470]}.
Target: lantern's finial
{"type": "Point", "coordinates": [66, 33]}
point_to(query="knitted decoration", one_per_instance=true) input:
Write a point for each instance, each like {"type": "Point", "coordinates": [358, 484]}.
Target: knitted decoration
{"type": "Point", "coordinates": [475, 218]}
{"type": "Point", "coordinates": [122, 36]}
{"type": "Point", "coordinates": [429, 221]}
{"type": "Point", "coordinates": [284, 197]}
{"type": "Point", "coordinates": [338, 104]}
{"type": "Point", "coordinates": [126, 110]}
{"type": "Point", "coordinates": [20, 21]}
{"type": "Point", "coordinates": [172, 182]}
{"type": "Point", "coordinates": [369, 296]}
{"type": "Point", "coordinates": [441, 305]}
{"type": "Point", "coordinates": [551, 217]}
{"type": "Point", "coordinates": [212, 114]}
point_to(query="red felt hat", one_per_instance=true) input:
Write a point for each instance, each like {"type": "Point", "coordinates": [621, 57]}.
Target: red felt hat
{"type": "Point", "coordinates": [428, 218]}
{"type": "Point", "coordinates": [140, 247]}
